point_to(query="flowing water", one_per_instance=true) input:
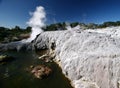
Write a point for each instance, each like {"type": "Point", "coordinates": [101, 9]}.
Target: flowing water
{"type": "Point", "coordinates": [15, 75]}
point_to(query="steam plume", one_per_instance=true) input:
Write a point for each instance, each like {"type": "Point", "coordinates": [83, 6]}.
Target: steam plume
{"type": "Point", "coordinates": [37, 22]}
{"type": "Point", "coordinates": [68, 27]}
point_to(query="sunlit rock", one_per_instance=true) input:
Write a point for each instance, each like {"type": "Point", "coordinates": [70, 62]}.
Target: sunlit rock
{"type": "Point", "coordinates": [90, 54]}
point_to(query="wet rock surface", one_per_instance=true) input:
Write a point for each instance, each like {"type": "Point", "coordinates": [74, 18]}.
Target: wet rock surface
{"type": "Point", "coordinates": [5, 58]}
{"type": "Point", "coordinates": [41, 71]}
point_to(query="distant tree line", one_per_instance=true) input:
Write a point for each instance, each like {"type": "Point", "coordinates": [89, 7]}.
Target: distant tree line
{"type": "Point", "coordinates": [62, 26]}
{"type": "Point", "coordinates": [13, 34]}
{"type": "Point", "coordinates": [17, 33]}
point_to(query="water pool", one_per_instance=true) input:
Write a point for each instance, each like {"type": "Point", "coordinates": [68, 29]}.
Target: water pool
{"type": "Point", "coordinates": [14, 74]}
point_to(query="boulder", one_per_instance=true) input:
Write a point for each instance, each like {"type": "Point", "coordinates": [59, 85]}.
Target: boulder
{"type": "Point", "coordinates": [41, 71]}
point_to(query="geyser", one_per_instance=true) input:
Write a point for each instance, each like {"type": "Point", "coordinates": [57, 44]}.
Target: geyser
{"type": "Point", "coordinates": [37, 22]}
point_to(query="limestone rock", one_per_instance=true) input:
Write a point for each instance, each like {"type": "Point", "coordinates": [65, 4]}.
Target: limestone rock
{"type": "Point", "coordinates": [90, 54]}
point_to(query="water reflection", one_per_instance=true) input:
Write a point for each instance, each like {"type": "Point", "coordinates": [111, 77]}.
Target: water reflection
{"type": "Point", "coordinates": [14, 74]}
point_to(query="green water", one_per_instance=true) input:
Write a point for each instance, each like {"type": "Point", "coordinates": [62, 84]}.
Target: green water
{"type": "Point", "coordinates": [14, 74]}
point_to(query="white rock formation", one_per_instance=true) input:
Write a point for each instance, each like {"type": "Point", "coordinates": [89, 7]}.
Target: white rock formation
{"type": "Point", "coordinates": [89, 58]}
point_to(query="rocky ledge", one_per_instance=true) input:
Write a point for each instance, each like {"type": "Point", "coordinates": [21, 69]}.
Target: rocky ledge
{"type": "Point", "coordinates": [89, 58]}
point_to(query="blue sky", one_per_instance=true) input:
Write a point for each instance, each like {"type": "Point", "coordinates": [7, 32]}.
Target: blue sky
{"type": "Point", "coordinates": [16, 12]}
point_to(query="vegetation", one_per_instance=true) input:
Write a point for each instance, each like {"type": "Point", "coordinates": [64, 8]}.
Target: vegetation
{"type": "Point", "coordinates": [108, 24]}
{"type": "Point", "coordinates": [54, 27]}
{"type": "Point", "coordinates": [14, 34]}
{"type": "Point", "coordinates": [62, 26]}
{"type": "Point", "coordinates": [17, 33]}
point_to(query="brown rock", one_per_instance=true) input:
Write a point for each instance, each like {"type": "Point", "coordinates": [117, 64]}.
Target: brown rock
{"type": "Point", "coordinates": [41, 71]}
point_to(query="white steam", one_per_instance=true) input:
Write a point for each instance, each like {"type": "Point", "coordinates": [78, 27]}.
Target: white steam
{"type": "Point", "coordinates": [37, 22]}
{"type": "Point", "coordinates": [73, 29]}
{"type": "Point", "coordinates": [68, 27]}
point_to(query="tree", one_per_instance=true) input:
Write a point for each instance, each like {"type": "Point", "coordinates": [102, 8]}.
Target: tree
{"type": "Point", "coordinates": [92, 26]}
{"type": "Point", "coordinates": [27, 30]}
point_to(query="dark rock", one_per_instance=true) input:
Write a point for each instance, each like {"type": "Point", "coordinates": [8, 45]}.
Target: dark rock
{"type": "Point", "coordinates": [5, 58]}
{"type": "Point", "coordinates": [24, 36]}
